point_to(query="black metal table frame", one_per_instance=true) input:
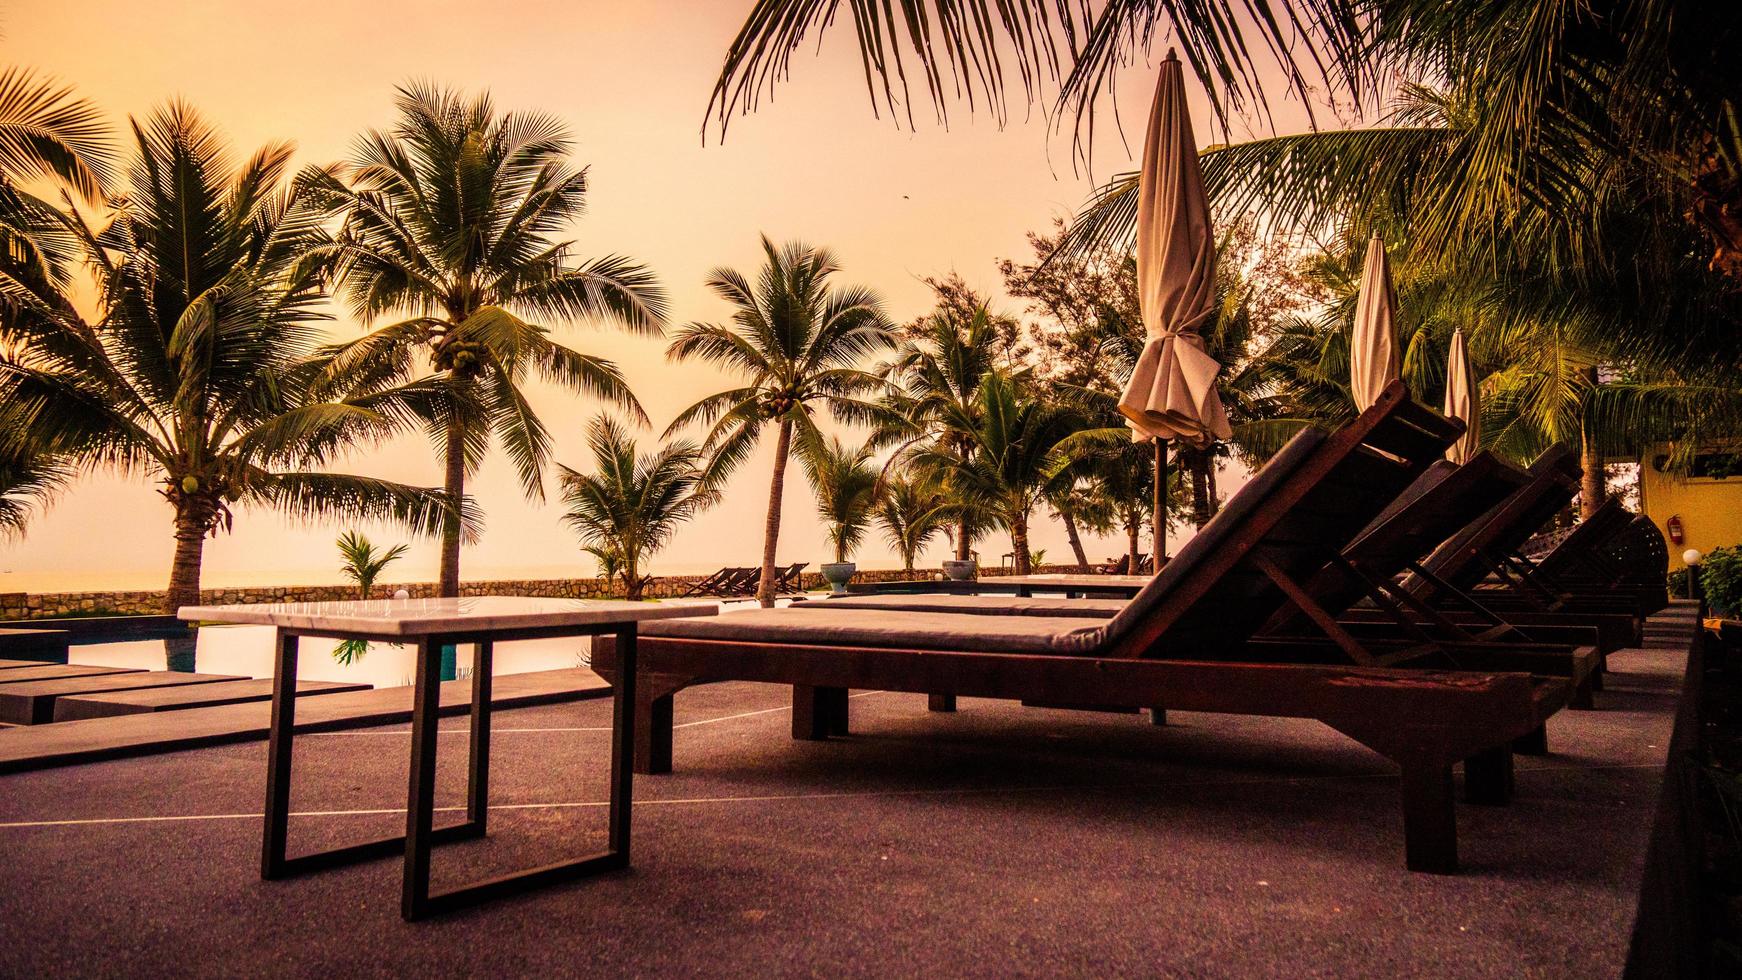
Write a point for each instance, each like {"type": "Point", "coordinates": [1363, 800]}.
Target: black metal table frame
{"type": "Point", "coordinates": [420, 833]}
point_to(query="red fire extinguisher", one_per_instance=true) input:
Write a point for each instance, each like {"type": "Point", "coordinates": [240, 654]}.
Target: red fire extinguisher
{"type": "Point", "coordinates": [1675, 529]}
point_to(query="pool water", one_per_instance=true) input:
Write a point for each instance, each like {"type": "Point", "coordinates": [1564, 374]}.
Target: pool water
{"type": "Point", "coordinates": [246, 651]}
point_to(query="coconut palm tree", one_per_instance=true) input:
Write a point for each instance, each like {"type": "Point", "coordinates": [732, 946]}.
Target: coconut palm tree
{"type": "Point", "coordinates": [1014, 458]}
{"type": "Point", "coordinates": [846, 485]}
{"type": "Point", "coordinates": [911, 513]}
{"type": "Point", "coordinates": [632, 503]}
{"type": "Point", "coordinates": [196, 369]}
{"type": "Point", "coordinates": [936, 376]}
{"type": "Point", "coordinates": [798, 343]}
{"type": "Point", "coordinates": [452, 221]}
{"type": "Point", "coordinates": [363, 563]}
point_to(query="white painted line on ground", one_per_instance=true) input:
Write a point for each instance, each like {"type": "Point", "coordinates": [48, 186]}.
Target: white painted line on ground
{"type": "Point", "coordinates": [516, 731]}
{"type": "Point", "coordinates": [787, 797]}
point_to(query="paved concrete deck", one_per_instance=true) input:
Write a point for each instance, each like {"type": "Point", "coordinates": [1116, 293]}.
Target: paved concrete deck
{"type": "Point", "coordinates": [182, 698]}
{"type": "Point", "coordinates": [996, 841]}
{"type": "Point", "coordinates": [96, 739]}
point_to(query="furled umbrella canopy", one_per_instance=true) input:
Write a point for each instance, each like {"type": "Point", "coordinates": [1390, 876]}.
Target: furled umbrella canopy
{"type": "Point", "coordinates": [1373, 358]}
{"type": "Point", "coordinates": [1172, 392]}
{"type": "Point", "coordinates": [1461, 400]}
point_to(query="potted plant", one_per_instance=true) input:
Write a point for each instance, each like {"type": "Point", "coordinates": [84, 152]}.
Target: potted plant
{"type": "Point", "coordinates": [847, 486]}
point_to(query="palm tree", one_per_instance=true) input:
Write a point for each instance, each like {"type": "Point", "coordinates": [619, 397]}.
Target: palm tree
{"type": "Point", "coordinates": [1015, 457]}
{"type": "Point", "coordinates": [452, 221]}
{"type": "Point", "coordinates": [197, 368]}
{"type": "Point", "coordinates": [937, 374]}
{"type": "Point", "coordinates": [846, 485]}
{"type": "Point", "coordinates": [46, 131]}
{"type": "Point", "coordinates": [363, 564]}
{"type": "Point", "coordinates": [632, 503]}
{"type": "Point", "coordinates": [798, 343]}
{"type": "Point", "coordinates": [911, 513]}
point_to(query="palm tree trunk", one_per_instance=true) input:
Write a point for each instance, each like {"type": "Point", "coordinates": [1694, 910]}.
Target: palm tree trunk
{"type": "Point", "coordinates": [1133, 525]}
{"type": "Point", "coordinates": [1210, 482]}
{"type": "Point", "coordinates": [771, 530]}
{"type": "Point", "coordinates": [455, 488]}
{"type": "Point", "coordinates": [193, 518]}
{"type": "Point", "coordinates": [1076, 541]}
{"type": "Point", "coordinates": [632, 581]}
{"type": "Point", "coordinates": [964, 541]}
{"type": "Point", "coordinates": [1198, 464]}
{"type": "Point", "coordinates": [1019, 541]}
{"type": "Point", "coordinates": [1592, 490]}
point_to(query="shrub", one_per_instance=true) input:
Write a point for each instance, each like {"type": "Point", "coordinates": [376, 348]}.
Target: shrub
{"type": "Point", "coordinates": [1721, 580]}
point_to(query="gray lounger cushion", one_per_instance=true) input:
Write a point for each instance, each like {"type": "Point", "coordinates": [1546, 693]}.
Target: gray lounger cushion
{"type": "Point", "coordinates": [979, 605]}
{"type": "Point", "coordinates": [884, 628]}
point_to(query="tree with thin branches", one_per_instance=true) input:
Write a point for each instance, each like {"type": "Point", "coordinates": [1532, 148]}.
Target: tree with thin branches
{"type": "Point", "coordinates": [452, 222]}
{"type": "Point", "coordinates": [798, 344]}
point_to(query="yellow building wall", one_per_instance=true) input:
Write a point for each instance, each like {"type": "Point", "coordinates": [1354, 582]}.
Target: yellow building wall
{"type": "Point", "coordinates": [1710, 510]}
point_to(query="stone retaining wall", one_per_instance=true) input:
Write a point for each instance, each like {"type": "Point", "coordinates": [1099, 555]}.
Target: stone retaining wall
{"type": "Point", "coordinates": [47, 605]}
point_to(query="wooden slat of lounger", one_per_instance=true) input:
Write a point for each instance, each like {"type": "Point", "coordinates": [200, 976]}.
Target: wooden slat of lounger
{"type": "Point", "coordinates": [112, 703]}
{"type": "Point", "coordinates": [14, 664]}
{"type": "Point", "coordinates": [50, 672]}
{"type": "Point", "coordinates": [33, 703]}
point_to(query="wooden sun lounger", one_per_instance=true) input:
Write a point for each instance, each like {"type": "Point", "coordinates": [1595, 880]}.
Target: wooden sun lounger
{"type": "Point", "coordinates": [791, 579]}
{"type": "Point", "coordinates": [711, 584]}
{"type": "Point", "coordinates": [1184, 641]}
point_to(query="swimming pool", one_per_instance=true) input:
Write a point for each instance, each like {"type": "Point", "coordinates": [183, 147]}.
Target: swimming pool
{"type": "Point", "coordinates": [246, 651]}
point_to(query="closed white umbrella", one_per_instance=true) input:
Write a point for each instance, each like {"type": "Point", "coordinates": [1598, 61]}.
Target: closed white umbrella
{"type": "Point", "coordinates": [1172, 392]}
{"type": "Point", "coordinates": [1373, 359]}
{"type": "Point", "coordinates": [1461, 401]}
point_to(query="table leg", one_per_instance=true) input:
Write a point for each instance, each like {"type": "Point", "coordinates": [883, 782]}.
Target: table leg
{"type": "Point", "coordinates": [420, 794]}
{"type": "Point", "coordinates": [478, 779]}
{"type": "Point", "coordinates": [278, 757]}
{"type": "Point", "coordinates": [623, 745]}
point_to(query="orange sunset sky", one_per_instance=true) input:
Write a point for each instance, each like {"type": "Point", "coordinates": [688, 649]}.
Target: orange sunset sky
{"type": "Point", "coordinates": [632, 81]}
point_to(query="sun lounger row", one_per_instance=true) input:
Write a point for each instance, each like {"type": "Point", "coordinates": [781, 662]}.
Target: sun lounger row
{"type": "Point", "coordinates": [741, 582]}
{"type": "Point", "coordinates": [1215, 631]}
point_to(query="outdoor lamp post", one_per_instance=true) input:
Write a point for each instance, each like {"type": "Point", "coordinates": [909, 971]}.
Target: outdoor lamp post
{"type": "Point", "coordinates": [1691, 558]}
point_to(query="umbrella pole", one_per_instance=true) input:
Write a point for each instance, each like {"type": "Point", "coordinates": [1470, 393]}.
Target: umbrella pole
{"type": "Point", "coordinates": [1160, 505]}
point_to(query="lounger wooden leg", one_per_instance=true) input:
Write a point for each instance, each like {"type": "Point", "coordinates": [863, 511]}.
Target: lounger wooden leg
{"type": "Point", "coordinates": [940, 702]}
{"type": "Point", "coordinates": [1158, 716]}
{"type": "Point", "coordinates": [1532, 743]}
{"type": "Point", "coordinates": [1582, 698]}
{"type": "Point", "coordinates": [652, 735]}
{"type": "Point", "coordinates": [1488, 777]}
{"type": "Point", "coordinates": [1430, 825]}
{"type": "Point", "coordinates": [810, 712]}
{"type": "Point", "coordinates": [835, 699]}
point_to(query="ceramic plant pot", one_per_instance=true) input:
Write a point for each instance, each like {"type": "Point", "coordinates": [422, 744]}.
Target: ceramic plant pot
{"type": "Point", "coordinates": [960, 571]}
{"type": "Point", "coordinates": [838, 574]}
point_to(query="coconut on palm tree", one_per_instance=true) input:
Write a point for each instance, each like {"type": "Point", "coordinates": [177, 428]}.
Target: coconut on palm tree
{"type": "Point", "coordinates": [196, 370]}
{"type": "Point", "coordinates": [846, 485]}
{"type": "Point", "coordinates": [632, 503]}
{"type": "Point", "coordinates": [453, 222]}
{"type": "Point", "coordinates": [797, 343]}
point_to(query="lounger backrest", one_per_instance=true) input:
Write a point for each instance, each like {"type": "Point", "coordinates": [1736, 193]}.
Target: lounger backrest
{"type": "Point", "coordinates": [1306, 504]}
{"type": "Point", "coordinates": [1463, 561]}
{"type": "Point", "coordinates": [1580, 551]}
{"type": "Point", "coordinates": [1439, 504]}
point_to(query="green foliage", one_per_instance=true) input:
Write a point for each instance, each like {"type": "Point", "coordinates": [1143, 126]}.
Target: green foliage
{"type": "Point", "coordinates": [632, 503]}
{"type": "Point", "coordinates": [911, 512]}
{"type": "Point", "coordinates": [363, 563]}
{"type": "Point", "coordinates": [1721, 580]}
{"type": "Point", "coordinates": [197, 369]}
{"type": "Point", "coordinates": [846, 486]}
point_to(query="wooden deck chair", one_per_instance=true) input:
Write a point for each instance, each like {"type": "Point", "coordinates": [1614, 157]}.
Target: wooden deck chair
{"type": "Point", "coordinates": [1183, 641]}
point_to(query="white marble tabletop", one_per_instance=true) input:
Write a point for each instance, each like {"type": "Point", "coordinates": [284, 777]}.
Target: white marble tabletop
{"type": "Point", "coordinates": [423, 617]}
